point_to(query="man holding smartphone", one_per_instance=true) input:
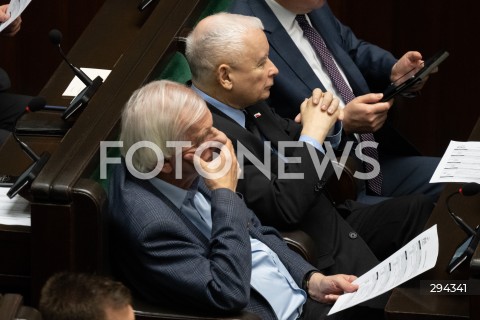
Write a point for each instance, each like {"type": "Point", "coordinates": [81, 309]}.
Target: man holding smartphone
{"type": "Point", "coordinates": [313, 49]}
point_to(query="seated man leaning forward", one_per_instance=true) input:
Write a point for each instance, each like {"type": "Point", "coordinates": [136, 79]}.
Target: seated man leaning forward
{"type": "Point", "coordinates": [181, 235]}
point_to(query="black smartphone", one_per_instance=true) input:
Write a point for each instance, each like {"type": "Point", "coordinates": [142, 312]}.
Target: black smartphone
{"type": "Point", "coordinates": [398, 87]}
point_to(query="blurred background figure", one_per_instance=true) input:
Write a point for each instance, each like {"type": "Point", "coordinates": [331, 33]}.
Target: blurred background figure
{"type": "Point", "coordinates": [79, 296]}
{"type": "Point", "coordinates": [12, 105]}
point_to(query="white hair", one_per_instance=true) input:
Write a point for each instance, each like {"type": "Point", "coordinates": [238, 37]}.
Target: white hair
{"type": "Point", "coordinates": [220, 40]}
{"type": "Point", "coordinates": [158, 112]}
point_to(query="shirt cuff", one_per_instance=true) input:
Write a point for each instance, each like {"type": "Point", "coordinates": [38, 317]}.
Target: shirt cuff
{"type": "Point", "coordinates": [313, 142]}
{"type": "Point", "coordinates": [336, 137]}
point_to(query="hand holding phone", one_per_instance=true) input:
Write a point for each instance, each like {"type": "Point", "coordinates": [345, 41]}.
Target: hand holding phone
{"type": "Point", "coordinates": [398, 87]}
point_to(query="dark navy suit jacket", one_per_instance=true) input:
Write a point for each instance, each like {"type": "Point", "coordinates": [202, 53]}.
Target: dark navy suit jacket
{"type": "Point", "coordinates": [294, 203]}
{"type": "Point", "coordinates": [161, 255]}
{"type": "Point", "coordinates": [366, 66]}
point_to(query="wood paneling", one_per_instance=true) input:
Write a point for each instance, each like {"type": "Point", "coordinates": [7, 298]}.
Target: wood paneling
{"type": "Point", "coordinates": [29, 57]}
{"type": "Point", "coordinates": [447, 109]}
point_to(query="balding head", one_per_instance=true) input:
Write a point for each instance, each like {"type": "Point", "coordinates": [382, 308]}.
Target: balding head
{"type": "Point", "coordinates": [217, 39]}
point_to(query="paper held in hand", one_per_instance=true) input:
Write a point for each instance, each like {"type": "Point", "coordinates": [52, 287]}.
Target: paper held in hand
{"type": "Point", "coordinates": [15, 9]}
{"type": "Point", "coordinates": [416, 257]}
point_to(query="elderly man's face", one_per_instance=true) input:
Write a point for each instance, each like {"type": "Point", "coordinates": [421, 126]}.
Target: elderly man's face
{"type": "Point", "coordinates": [202, 132]}
{"type": "Point", "coordinates": [252, 76]}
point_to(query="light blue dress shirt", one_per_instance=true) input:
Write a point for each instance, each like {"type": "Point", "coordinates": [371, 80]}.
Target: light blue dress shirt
{"type": "Point", "coordinates": [239, 117]}
{"type": "Point", "coordinates": [269, 277]}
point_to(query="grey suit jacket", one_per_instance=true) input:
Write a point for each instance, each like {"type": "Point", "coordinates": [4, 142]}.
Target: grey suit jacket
{"type": "Point", "coordinates": [161, 255]}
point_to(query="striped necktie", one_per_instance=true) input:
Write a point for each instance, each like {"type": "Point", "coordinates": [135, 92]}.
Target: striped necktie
{"type": "Point", "coordinates": [374, 184]}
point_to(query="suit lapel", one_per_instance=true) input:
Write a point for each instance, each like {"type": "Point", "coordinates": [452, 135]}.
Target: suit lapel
{"type": "Point", "coordinates": [236, 132]}
{"type": "Point", "coordinates": [324, 22]}
{"type": "Point", "coordinates": [281, 43]}
{"type": "Point", "coordinates": [267, 124]}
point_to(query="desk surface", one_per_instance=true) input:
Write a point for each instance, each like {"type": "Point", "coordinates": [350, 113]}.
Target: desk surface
{"type": "Point", "coordinates": [412, 300]}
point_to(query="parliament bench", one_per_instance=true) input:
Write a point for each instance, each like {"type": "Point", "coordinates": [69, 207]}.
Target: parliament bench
{"type": "Point", "coordinates": [12, 308]}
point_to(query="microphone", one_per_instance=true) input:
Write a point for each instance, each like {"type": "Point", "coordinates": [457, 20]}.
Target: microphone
{"type": "Point", "coordinates": [90, 86]}
{"type": "Point", "coordinates": [56, 37]}
{"type": "Point", "coordinates": [36, 104]}
{"type": "Point", "coordinates": [33, 170]}
{"type": "Point", "coordinates": [468, 189]}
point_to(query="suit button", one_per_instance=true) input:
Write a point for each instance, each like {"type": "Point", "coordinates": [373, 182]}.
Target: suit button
{"type": "Point", "coordinates": [353, 235]}
{"type": "Point", "coordinates": [319, 185]}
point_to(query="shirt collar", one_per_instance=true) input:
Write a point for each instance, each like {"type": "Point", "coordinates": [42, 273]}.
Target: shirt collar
{"type": "Point", "coordinates": [237, 115]}
{"type": "Point", "coordinates": [175, 194]}
{"type": "Point", "coordinates": [286, 18]}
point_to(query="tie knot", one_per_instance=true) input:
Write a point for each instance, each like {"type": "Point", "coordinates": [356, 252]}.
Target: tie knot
{"type": "Point", "coordinates": [301, 19]}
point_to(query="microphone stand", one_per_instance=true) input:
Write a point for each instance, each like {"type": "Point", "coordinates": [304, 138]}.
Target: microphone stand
{"type": "Point", "coordinates": [32, 171]}
{"type": "Point", "coordinates": [459, 221]}
{"type": "Point", "coordinates": [82, 98]}
{"type": "Point", "coordinates": [90, 86]}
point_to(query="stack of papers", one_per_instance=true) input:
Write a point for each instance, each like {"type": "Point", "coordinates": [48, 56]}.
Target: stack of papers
{"type": "Point", "coordinates": [460, 163]}
{"type": "Point", "coordinates": [14, 211]}
{"type": "Point", "coordinates": [76, 85]}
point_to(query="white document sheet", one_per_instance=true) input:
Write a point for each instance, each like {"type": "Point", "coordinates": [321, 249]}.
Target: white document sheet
{"type": "Point", "coordinates": [460, 163]}
{"type": "Point", "coordinates": [76, 85]}
{"type": "Point", "coordinates": [14, 211]}
{"type": "Point", "coordinates": [416, 257]}
{"type": "Point", "coordinates": [15, 8]}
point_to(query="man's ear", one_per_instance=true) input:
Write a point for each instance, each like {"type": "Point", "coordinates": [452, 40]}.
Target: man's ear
{"type": "Point", "coordinates": [167, 167]}
{"type": "Point", "coordinates": [224, 76]}
{"type": "Point", "coordinates": [188, 156]}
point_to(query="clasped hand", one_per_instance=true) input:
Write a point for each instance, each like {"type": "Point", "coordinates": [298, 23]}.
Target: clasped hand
{"type": "Point", "coordinates": [318, 114]}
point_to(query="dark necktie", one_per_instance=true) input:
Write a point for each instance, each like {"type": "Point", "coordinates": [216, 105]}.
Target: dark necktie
{"type": "Point", "coordinates": [316, 40]}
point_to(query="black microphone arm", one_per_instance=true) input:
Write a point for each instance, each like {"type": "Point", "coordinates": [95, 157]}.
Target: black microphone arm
{"type": "Point", "coordinates": [39, 162]}
{"type": "Point", "coordinates": [36, 104]}
{"type": "Point", "coordinates": [28, 175]}
{"type": "Point", "coordinates": [91, 87]}
{"type": "Point", "coordinates": [56, 37]}
{"type": "Point", "coordinates": [459, 221]}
